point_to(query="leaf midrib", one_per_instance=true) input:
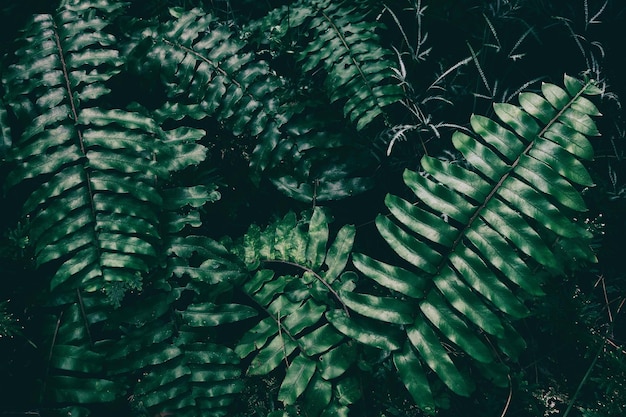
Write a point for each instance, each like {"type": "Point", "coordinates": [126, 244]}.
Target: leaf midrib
{"type": "Point", "coordinates": [504, 177]}
{"type": "Point", "coordinates": [79, 133]}
{"type": "Point", "coordinates": [354, 61]}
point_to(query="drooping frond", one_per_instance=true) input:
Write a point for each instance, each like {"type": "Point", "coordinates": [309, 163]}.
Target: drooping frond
{"type": "Point", "coordinates": [81, 156]}
{"type": "Point", "coordinates": [63, 155]}
{"type": "Point", "coordinates": [166, 354]}
{"type": "Point", "coordinates": [342, 64]}
{"type": "Point", "coordinates": [294, 333]}
{"type": "Point", "coordinates": [476, 237]}
{"type": "Point", "coordinates": [344, 43]}
{"type": "Point", "coordinates": [102, 192]}
{"type": "Point", "coordinates": [208, 73]}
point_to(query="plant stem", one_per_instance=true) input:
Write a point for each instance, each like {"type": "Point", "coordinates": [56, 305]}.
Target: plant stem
{"type": "Point", "coordinates": [584, 380]}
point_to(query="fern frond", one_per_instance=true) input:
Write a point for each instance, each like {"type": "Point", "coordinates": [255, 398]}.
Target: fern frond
{"type": "Point", "coordinates": [66, 150]}
{"type": "Point", "coordinates": [208, 73]}
{"type": "Point", "coordinates": [343, 43]}
{"type": "Point", "coordinates": [167, 355]}
{"type": "Point", "coordinates": [359, 72]}
{"type": "Point", "coordinates": [294, 334]}
{"type": "Point", "coordinates": [476, 237]}
{"type": "Point", "coordinates": [105, 212]}
{"type": "Point", "coordinates": [75, 367]}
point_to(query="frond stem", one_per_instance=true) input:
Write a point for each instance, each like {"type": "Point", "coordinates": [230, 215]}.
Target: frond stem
{"type": "Point", "coordinates": [354, 61]}
{"type": "Point", "coordinates": [68, 86]}
{"type": "Point", "coordinates": [584, 380]}
{"type": "Point", "coordinates": [280, 334]}
{"type": "Point", "coordinates": [316, 275]}
{"type": "Point", "coordinates": [79, 133]}
{"type": "Point", "coordinates": [275, 318]}
{"type": "Point", "coordinates": [515, 163]}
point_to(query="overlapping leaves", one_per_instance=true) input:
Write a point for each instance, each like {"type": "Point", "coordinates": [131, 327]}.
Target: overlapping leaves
{"type": "Point", "coordinates": [342, 63]}
{"type": "Point", "coordinates": [358, 72]}
{"type": "Point", "coordinates": [294, 333]}
{"type": "Point", "coordinates": [108, 213]}
{"type": "Point", "coordinates": [164, 354]}
{"type": "Point", "coordinates": [167, 355]}
{"type": "Point", "coordinates": [476, 237]}
{"type": "Point", "coordinates": [98, 205]}
{"type": "Point", "coordinates": [63, 154]}
{"type": "Point", "coordinates": [81, 156]}
{"type": "Point", "coordinates": [208, 73]}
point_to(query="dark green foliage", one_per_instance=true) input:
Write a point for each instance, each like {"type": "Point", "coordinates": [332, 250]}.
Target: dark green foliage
{"type": "Point", "coordinates": [478, 234]}
{"type": "Point", "coordinates": [295, 332]}
{"type": "Point", "coordinates": [208, 71]}
{"type": "Point", "coordinates": [154, 157]}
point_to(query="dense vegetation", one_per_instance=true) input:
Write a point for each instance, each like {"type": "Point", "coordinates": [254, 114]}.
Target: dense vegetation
{"type": "Point", "coordinates": [312, 208]}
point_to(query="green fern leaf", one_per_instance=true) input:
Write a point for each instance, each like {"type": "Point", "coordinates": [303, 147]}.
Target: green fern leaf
{"type": "Point", "coordinates": [71, 166]}
{"type": "Point", "coordinates": [208, 74]}
{"type": "Point", "coordinates": [346, 46]}
{"type": "Point", "coordinates": [102, 219]}
{"type": "Point", "coordinates": [476, 236]}
{"type": "Point", "coordinates": [82, 391]}
{"type": "Point", "coordinates": [298, 376]}
{"type": "Point", "coordinates": [295, 333]}
{"type": "Point", "coordinates": [76, 368]}
{"type": "Point", "coordinates": [339, 253]}
{"type": "Point", "coordinates": [389, 276]}
{"type": "Point", "coordinates": [412, 374]}
{"type": "Point", "coordinates": [214, 315]}
{"type": "Point", "coordinates": [381, 337]}
{"type": "Point", "coordinates": [182, 371]}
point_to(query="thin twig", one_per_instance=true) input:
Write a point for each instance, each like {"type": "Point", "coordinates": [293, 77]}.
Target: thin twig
{"type": "Point", "coordinates": [280, 334]}
{"type": "Point", "coordinates": [54, 341]}
{"type": "Point", "coordinates": [508, 400]}
{"type": "Point", "coordinates": [449, 70]}
{"type": "Point", "coordinates": [395, 18]}
{"type": "Point", "coordinates": [479, 68]}
{"type": "Point", "coordinates": [583, 381]}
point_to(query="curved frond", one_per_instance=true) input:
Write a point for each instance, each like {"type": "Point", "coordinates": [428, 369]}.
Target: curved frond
{"type": "Point", "coordinates": [69, 149]}
{"type": "Point", "coordinates": [343, 64]}
{"type": "Point", "coordinates": [344, 43]}
{"type": "Point", "coordinates": [103, 201]}
{"type": "Point", "coordinates": [167, 354]}
{"type": "Point", "coordinates": [475, 237]}
{"type": "Point", "coordinates": [207, 73]}
{"type": "Point", "coordinates": [295, 334]}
